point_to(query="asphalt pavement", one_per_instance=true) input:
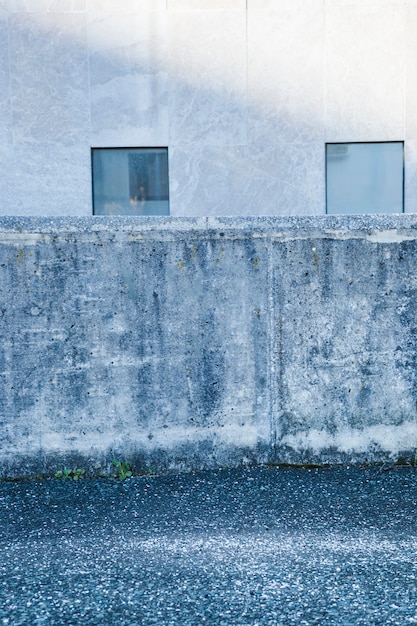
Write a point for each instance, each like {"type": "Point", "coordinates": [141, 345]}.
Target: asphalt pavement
{"type": "Point", "coordinates": [276, 546]}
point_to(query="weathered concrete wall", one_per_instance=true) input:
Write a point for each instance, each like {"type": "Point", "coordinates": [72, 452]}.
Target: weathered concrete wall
{"type": "Point", "coordinates": [190, 343]}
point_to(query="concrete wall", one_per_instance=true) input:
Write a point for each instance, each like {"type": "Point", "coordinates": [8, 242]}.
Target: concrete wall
{"type": "Point", "coordinates": [245, 94]}
{"type": "Point", "coordinates": [203, 342]}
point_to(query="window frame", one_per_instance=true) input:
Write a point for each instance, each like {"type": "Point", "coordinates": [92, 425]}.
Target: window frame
{"type": "Point", "coordinates": [349, 143]}
{"type": "Point", "coordinates": [94, 149]}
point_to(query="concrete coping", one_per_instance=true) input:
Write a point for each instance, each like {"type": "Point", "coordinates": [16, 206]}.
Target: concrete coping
{"type": "Point", "coordinates": [377, 228]}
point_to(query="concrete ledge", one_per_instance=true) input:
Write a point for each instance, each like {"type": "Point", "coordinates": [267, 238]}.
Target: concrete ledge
{"type": "Point", "coordinates": [202, 342]}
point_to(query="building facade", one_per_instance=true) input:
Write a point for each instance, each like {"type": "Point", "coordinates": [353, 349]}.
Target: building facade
{"type": "Point", "coordinates": [242, 103]}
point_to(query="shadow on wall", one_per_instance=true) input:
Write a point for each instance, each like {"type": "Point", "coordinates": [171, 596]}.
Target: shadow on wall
{"type": "Point", "coordinates": [245, 132]}
{"type": "Point", "coordinates": [187, 344]}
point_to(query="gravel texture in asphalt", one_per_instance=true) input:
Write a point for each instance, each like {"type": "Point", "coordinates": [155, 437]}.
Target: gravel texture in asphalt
{"type": "Point", "coordinates": [252, 546]}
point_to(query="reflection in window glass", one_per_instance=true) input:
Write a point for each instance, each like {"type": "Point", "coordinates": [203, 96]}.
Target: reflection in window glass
{"type": "Point", "coordinates": [364, 177]}
{"type": "Point", "coordinates": [130, 181]}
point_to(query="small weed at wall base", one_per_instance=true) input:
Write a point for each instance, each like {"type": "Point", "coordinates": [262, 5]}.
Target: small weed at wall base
{"type": "Point", "coordinates": [123, 469]}
{"type": "Point", "coordinates": [73, 474]}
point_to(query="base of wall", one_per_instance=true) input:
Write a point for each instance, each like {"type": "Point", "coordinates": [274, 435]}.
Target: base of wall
{"type": "Point", "coordinates": [188, 459]}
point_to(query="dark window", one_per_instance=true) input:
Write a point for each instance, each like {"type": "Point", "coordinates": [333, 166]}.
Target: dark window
{"type": "Point", "coordinates": [130, 181]}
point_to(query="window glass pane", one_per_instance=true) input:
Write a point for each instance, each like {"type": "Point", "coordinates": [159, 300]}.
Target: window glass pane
{"type": "Point", "coordinates": [364, 177]}
{"type": "Point", "coordinates": [130, 181]}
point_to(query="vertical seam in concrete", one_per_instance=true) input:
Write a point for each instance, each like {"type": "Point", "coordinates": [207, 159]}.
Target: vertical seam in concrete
{"type": "Point", "coordinates": [270, 354]}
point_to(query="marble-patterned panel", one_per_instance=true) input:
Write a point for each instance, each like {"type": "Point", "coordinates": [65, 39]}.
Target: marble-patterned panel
{"type": "Point", "coordinates": [284, 4]}
{"type": "Point", "coordinates": [411, 73]}
{"type": "Point", "coordinates": [45, 179]}
{"type": "Point", "coordinates": [209, 5]}
{"type": "Point", "coordinates": [5, 104]}
{"type": "Point", "coordinates": [331, 3]}
{"type": "Point", "coordinates": [365, 60]}
{"type": "Point", "coordinates": [126, 44]}
{"type": "Point", "coordinates": [208, 77]}
{"type": "Point", "coordinates": [68, 5]}
{"type": "Point", "coordinates": [118, 7]}
{"type": "Point", "coordinates": [27, 5]}
{"type": "Point", "coordinates": [49, 78]}
{"type": "Point", "coordinates": [410, 178]}
{"type": "Point", "coordinates": [40, 6]}
{"type": "Point", "coordinates": [129, 99]}
{"type": "Point", "coordinates": [241, 180]}
{"type": "Point", "coordinates": [130, 110]}
{"type": "Point", "coordinates": [286, 74]}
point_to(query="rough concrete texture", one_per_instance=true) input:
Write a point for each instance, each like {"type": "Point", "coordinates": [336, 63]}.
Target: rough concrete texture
{"type": "Point", "coordinates": [202, 342]}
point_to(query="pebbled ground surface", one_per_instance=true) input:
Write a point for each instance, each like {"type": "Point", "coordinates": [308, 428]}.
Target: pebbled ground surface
{"type": "Point", "coordinates": [256, 546]}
